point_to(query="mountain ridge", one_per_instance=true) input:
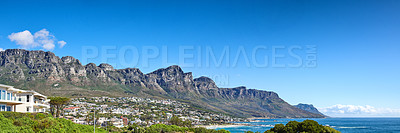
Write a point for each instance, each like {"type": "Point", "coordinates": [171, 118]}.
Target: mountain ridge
{"type": "Point", "coordinates": [309, 108]}
{"type": "Point", "coordinates": [48, 74]}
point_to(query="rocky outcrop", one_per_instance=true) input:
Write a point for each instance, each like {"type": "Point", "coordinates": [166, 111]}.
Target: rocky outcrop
{"type": "Point", "coordinates": [309, 108]}
{"type": "Point", "coordinates": [41, 70]}
{"type": "Point", "coordinates": [173, 80]}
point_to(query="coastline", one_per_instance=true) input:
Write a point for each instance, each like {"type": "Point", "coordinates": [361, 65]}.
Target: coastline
{"type": "Point", "coordinates": [224, 125]}
{"type": "Point", "coordinates": [254, 118]}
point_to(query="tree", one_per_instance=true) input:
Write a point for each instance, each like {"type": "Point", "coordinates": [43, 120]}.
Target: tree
{"type": "Point", "coordinates": [175, 120]}
{"type": "Point", "coordinates": [57, 104]}
{"type": "Point", "coordinates": [307, 126]}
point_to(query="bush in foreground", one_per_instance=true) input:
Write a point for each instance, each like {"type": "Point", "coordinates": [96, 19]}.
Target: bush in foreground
{"type": "Point", "coordinates": [161, 128]}
{"type": "Point", "coordinates": [307, 126]}
{"type": "Point", "coordinates": [13, 122]}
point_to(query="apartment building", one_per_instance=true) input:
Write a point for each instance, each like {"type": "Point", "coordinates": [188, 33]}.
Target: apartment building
{"type": "Point", "coordinates": [25, 101]}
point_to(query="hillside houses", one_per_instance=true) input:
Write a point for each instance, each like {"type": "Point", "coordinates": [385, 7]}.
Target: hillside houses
{"type": "Point", "coordinates": [123, 111]}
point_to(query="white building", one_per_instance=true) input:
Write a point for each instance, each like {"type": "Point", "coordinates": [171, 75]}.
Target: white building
{"type": "Point", "coordinates": [17, 100]}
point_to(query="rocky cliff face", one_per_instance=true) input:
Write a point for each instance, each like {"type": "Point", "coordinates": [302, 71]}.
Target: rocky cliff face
{"type": "Point", "coordinates": [51, 75]}
{"type": "Point", "coordinates": [309, 108]}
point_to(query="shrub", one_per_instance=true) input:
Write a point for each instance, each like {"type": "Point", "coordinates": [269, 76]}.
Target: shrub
{"type": "Point", "coordinates": [13, 122]}
{"type": "Point", "coordinates": [161, 128]}
{"type": "Point", "coordinates": [307, 126]}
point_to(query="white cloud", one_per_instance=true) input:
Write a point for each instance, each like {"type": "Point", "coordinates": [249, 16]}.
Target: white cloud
{"type": "Point", "coordinates": [62, 43]}
{"type": "Point", "coordinates": [1, 49]}
{"type": "Point", "coordinates": [359, 111]}
{"type": "Point", "coordinates": [42, 39]}
{"type": "Point", "coordinates": [24, 38]}
{"type": "Point", "coordinates": [48, 45]}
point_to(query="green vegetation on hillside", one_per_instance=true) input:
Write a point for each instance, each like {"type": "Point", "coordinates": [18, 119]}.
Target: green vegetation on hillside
{"type": "Point", "coordinates": [307, 126]}
{"type": "Point", "coordinates": [13, 122]}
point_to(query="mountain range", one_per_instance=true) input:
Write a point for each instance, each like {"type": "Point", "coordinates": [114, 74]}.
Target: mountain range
{"type": "Point", "coordinates": [54, 76]}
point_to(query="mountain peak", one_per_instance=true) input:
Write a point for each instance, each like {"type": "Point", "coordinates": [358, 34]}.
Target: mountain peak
{"type": "Point", "coordinates": [91, 65]}
{"type": "Point", "coordinates": [174, 67]}
{"type": "Point", "coordinates": [203, 79]}
{"type": "Point", "coordinates": [174, 70]}
{"type": "Point", "coordinates": [30, 53]}
{"type": "Point", "coordinates": [70, 59]}
{"type": "Point", "coordinates": [205, 83]}
{"type": "Point", "coordinates": [309, 108]}
{"type": "Point", "coordinates": [106, 66]}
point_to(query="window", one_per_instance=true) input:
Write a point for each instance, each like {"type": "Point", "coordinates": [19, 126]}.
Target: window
{"type": "Point", "coordinates": [27, 109]}
{"type": "Point", "coordinates": [3, 107]}
{"type": "Point", "coordinates": [27, 98]}
{"type": "Point", "coordinates": [8, 96]}
{"type": "Point", "coordinates": [3, 95]}
{"type": "Point", "coordinates": [8, 108]}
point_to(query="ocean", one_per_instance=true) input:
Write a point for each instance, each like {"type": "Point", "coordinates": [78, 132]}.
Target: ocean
{"type": "Point", "coordinates": [344, 125]}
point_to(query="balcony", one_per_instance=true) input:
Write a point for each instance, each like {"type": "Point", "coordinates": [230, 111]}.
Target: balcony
{"type": "Point", "coordinates": [41, 103]}
{"type": "Point", "coordinates": [10, 102]}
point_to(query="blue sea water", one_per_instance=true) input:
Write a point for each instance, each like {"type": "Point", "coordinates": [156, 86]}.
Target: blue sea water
{"type": "Point", "coordinates": [344, 125]}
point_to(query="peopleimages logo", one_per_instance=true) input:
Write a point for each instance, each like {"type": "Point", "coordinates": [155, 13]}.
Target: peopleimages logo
{"type": "Point", "coordinates": [278, 56]}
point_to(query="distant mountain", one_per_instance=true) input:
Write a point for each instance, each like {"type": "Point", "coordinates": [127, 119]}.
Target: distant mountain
{"type": "Point", "coordinates": [48, 74]}
{"type": "Point", "coordinates": [309, 108]}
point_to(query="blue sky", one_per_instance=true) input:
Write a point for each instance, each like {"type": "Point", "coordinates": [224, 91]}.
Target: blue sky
{"type": "Point", "coordinates": [357, 42]}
